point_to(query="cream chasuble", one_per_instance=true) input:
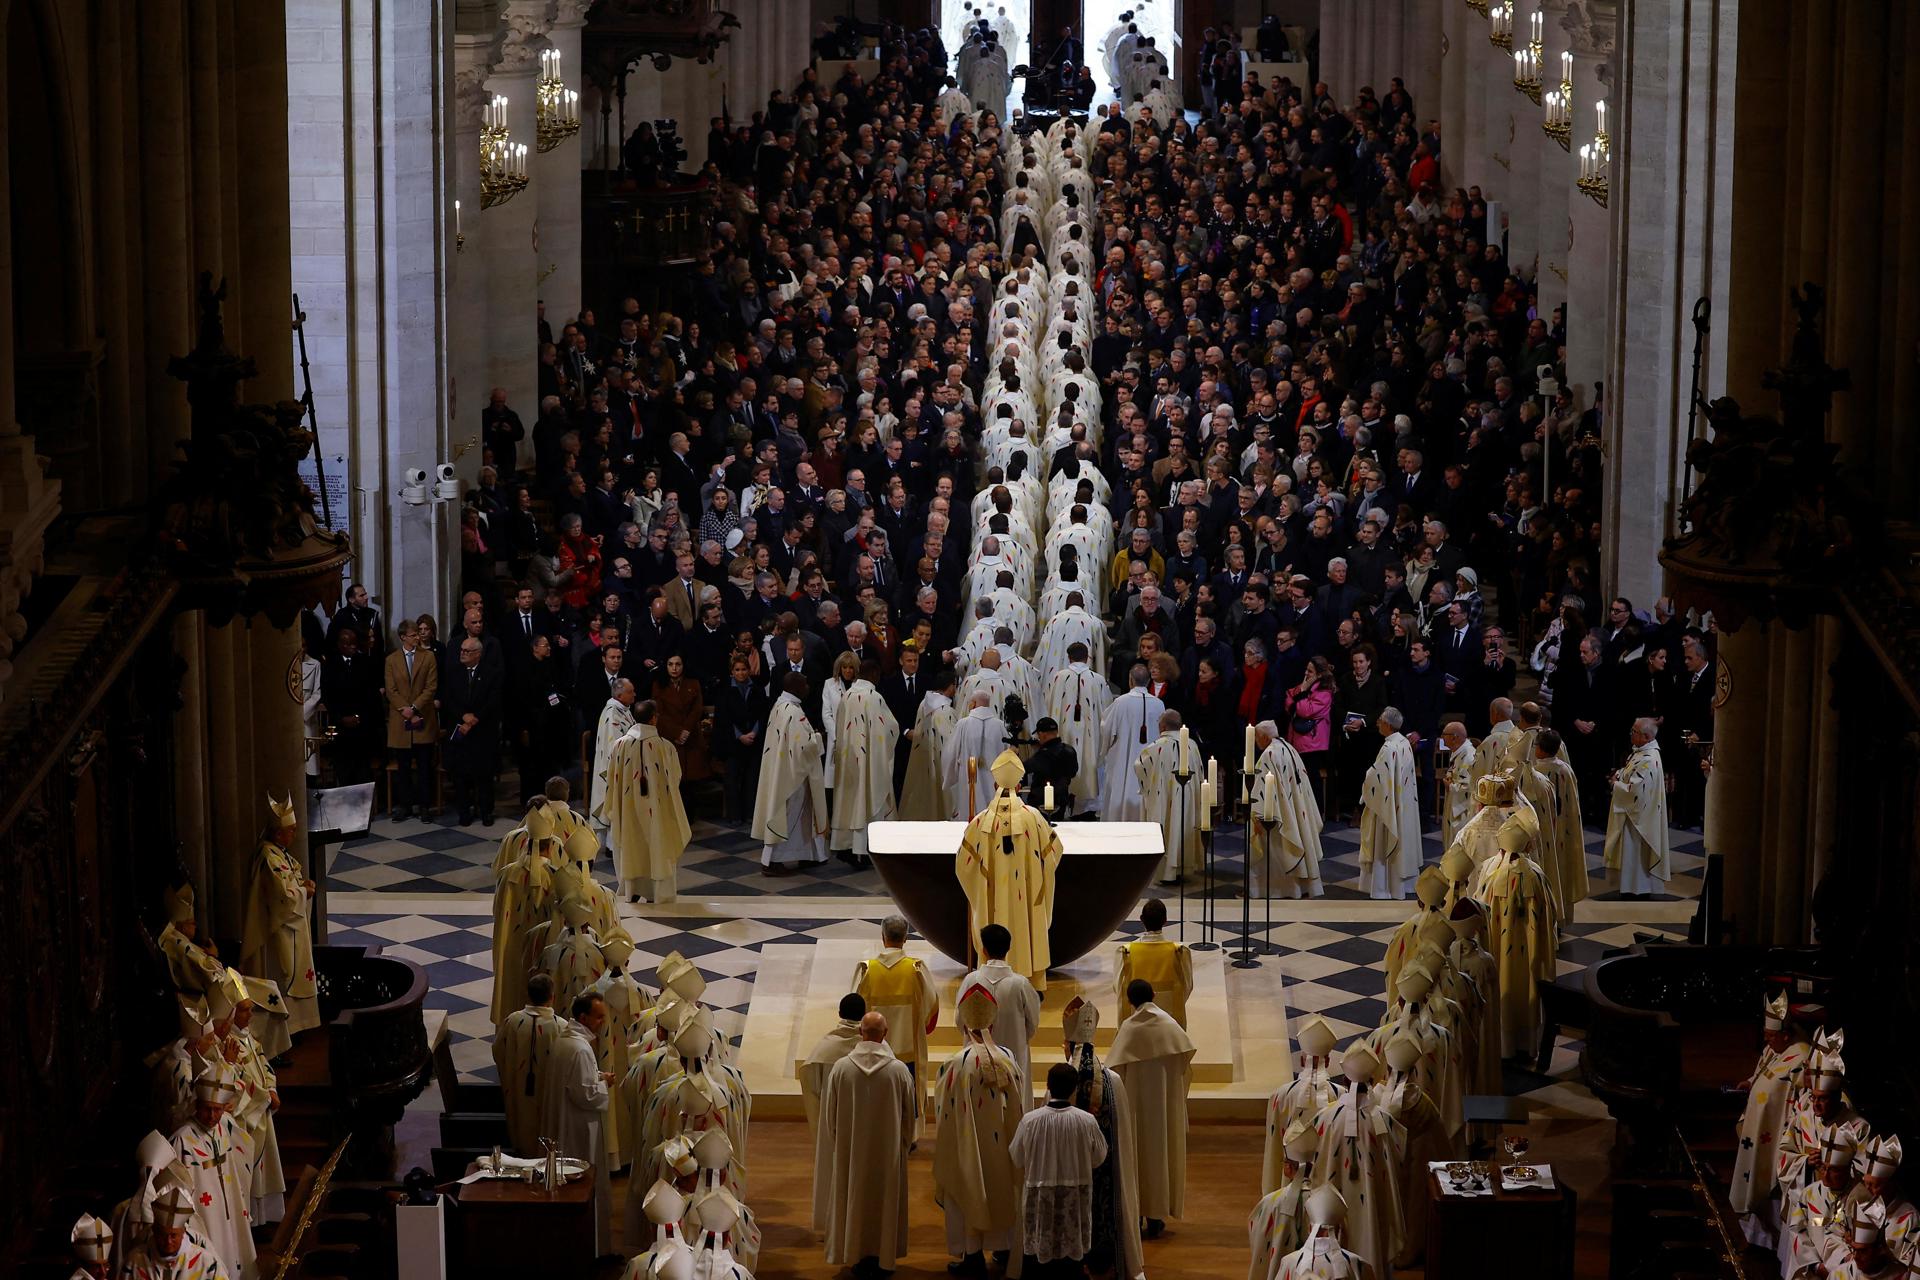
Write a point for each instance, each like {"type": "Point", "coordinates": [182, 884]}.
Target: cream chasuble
{"type": "Point", "coordinates": [980, 736]}
{"type": "Point", "coordinates": [1154, 1059]}
{"type": "Point", "coordinates": [218, 1164]}
{"type": "Point", "coordinates": [1173, 805]}
{"type": "Point", "coordinates": [832, 1047]}
{"type": "Point", "coordinates": [647, 827]}
{"type": "Point", "coordinates": [1521, 933]}
{"type": "Point", "coordinates": [1567, 873]}
{"type": "Point", "coordinates": [1769, 1091]}
{"type": "Point", "coordinates": [867, 1124]}
{"type": "Point", "coordinates": [1287, 825]}
{"type": "Point", "coordinates": [923, 795]}
{"type": "Point", "coordinates": [1390, 850]}
{"type": "Point", "coordinates": [615, 719]}
{"type": "Point", "coordinates": [522, 1044]}
{"type": "Point", "coordinates": [1006, 865]}
{"type": "Point", "coordinates": [1078, 698]}
{"type": "Point", "coordinates": [978, 1100]}
{"type": "Point", "coordinates": [863, 742]}
{"type": "Point", "coordinates": [1637, 823]}
{"type": "Point", "coordinates": [279, 937]}
{"type": "Point", "coordinates": [790, 806]}
{"type": "Point", "coordinates": [1458, 804]}
{"type": "Point", "coordinates": [1131, 725]}
{"type": "Point", "coordinates": [1359, 1156]}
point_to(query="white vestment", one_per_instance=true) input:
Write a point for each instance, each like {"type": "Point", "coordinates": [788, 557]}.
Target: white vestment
{"type": "Point", "coordinates": [1287, 831]}
{"type": "Point", "coordinates": [573, 1107]}
{"type": "Point", "coordinates": [1390, 850]}
{"type": "Point", "coordinates": [790, 807]}
{"type": "Point", "coordinates": [979, 736]}
{"type": "Point", "coordinates": [1175, 806]}
{"type": "Point", "coordinates": [1016, 1015]}
{"type": "Point", "coordinates": [522, 1046]}
{"type": "Point", "coordinates": [1077, 699]}
{"type": "Point", "coordinates": [867, 1123]}
{"type": "Point", "coordinates": [1637, 823]}
{"type": "Point", "coordinates": [615, 719]}
{"type": "Point", "coordinates": [1131, 725]}
{"type": "Point", "coordinates": [864, 740]}
{"type": "Point", "coordinates": [1154, 1057]}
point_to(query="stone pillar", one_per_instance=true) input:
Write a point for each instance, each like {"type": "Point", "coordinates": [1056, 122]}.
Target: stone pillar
{"type": "Point", "coordinates": [1457, 24]}
{"type": "Point", "coordinates": [1342, 34]}
{"type": "Point", "coordinates": [1495, 72]}
{"type": "Point", "coordinates": [513, 265]}
{"type": "Point", "coordinates": [1472, 167]}
{"type": "Point", "coordinates": [1670, 202]}
{"type": "Point", "coordinates": [1557, 170]}
{"type": "Point", "coordinates": [467, 334]}
{"type": "Point", "coordinates": [556, 181]}
{"type": "Point", "coordinates": [1590, 263]}
{"type": "Point", "coordinates": [1521, 191]}
{"type": "Point", "coordinates": [1422, 55]}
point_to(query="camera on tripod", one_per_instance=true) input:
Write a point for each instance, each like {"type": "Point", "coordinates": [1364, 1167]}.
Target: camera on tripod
{"type": "Point", "coordinates": [672, 149]}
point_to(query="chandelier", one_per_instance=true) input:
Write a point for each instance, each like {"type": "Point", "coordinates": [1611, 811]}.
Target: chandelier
{"type": "Point", "coordinates": [503, 162]}
{"type": "Point", "coordinates": [556, 108]}
{"type": "Point", "coordinates": [1596, 160]}
{"type": "Point", "coordinates": [1559, 103]}
{"type": "Point", "coordinates": [1500, 34]}
{"type": "Point", "coordinates": [1526, 61]}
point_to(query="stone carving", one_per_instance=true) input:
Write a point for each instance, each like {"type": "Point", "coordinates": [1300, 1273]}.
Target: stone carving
{"type": "Point", "coordinates": [525, 36]}
{"type": "Point", "coordinates": [1592, 26]}
{"type": "Point", "coordinates": [470, 96]}
{"type": "Point", "coordinates": [237, 496]}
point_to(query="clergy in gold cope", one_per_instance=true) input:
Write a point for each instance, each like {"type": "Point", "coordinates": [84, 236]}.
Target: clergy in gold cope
{"type": "Point", "coordinates": [1006, 864]}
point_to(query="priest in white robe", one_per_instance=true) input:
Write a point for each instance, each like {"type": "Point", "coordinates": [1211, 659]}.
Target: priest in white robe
{"type": "Point", "coordinates": [616, 717]}
{"type": "Point", "coordinates": [212, 1150]}
{"type": "Point", "coordinates": [790, 807]}
{"type": "Point", "coordinates": [1164, 798]}
{"type": "Point", "coordinates": [841, 1039]}
{"type": "Point", "coordinates": [522, 1047]}
{"type": "Point", "coordinates": [1390, 850]}
{"type": "Point", "coordinates": [1131, 725]}
{"type": "Point", "coordinates": [923, 796]}
{"type": "Point", "coordinates": [864, 738]}
{"type": "Point", "coordinates": [1061, 632]}
{"type": "Point", "coordinates": [1637, 816]}
{"type": "Point", "coordinates": [867, 1125]}
{"type": "Point", "coordinates": [977, 740]}
{"type": "Point", "coordinates": [1078, 699]}
{"type": "Point", "coordinates": [1287, 822]}
{"type": "Point", "coordinates": [1457, 803]}
{"type": "Point", "coordinates": [574, 1097]}
{"type": "Point", "coordinates": [1154, 1058]}
{"type": "Point", "coordinates": [1058, 1149]}
{"type": "Point", "coordinates": [646, 821]}
{"type": "Point", "coordinates": [1016, 1005]}
{"type": "Point", "coordinates": [979, 1099]}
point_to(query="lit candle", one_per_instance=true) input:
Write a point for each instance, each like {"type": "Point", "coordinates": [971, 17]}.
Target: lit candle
{"type": "Point", "coordinates": [1535, 38]}
{"type": "Point", "coordinates": [1520, 64]}
{"type": "Point", "coordinates": [1213, 774]}
{"type": "Point", "coordinates": [456, 217]}
{"type": "Point", "coordinates": [1206, 806]}
{"type": "Point", "coordinates": [1048, 800]}
{"type": "Point", "coordinates": [1186, 751]}
{"type": "Point", "coordinates": [573, 105]}
{"type": "Point", "coordinates": [1600, 111]}
{"type": "Point", "coordinates": [1247, 767]}
{"type": "Point", "coordinates": [1566, 67]}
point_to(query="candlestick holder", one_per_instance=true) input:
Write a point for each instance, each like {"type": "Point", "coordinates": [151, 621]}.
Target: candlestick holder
{"type": "Point", "coordinates": [1181, 778]}
{"type": "Point", "coordinates": [1247, 957]}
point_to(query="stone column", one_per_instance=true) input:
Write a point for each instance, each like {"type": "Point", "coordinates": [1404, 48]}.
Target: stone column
{"type": "Point", "coordinates": [556, 180]}
{"type": "Point", "coordinates": [1590, 262]}
{"type": "Point", "coordinates": [1670, 201]}
{"type": "Point", "coordinates": [1556, 172]}
{"type": "Point", "coordinates": [1473, 166]}
{"type": "Point", "coordinates": [1422, 56]}
{"type": "Point", "coordinates": [1457, 24]}
{"type": "Point", "coordinates": [513, 265]}
{"type": "Point", "coordinates": [1495, 72]}
{"type": "Point", "coordinates": [1342, 34]}
{"type": "Point", "coordinates": [467, 329]}
{"type": "Point", "coordinates": [1521, 192]}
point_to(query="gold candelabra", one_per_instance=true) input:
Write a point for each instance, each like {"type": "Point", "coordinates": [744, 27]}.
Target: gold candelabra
{"type": "Point", "coordinates": [556, 108]}
{"type": "Point", "coordinates": [503, 162]}
{"type": "Point", "coordinates": [1527, 60]}
{"type": "Point", "coordinates": [1500, 33]}
{"type": "Point", "coordinates": [1558, 124]}
{"type": "Point", "coordinates": [1478, 6]}
{"type": "Point", "coordinates": [1596, 160]}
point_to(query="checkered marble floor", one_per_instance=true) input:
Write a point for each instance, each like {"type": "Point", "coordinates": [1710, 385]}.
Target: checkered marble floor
{"type": "Point", "coordinates": [416, 857]}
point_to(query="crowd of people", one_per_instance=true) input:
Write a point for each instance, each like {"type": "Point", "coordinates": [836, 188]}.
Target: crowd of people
{"type": "Point", "coordinates": [1132, 442]}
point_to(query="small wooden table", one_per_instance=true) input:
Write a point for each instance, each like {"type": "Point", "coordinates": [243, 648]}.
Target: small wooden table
{"type": "Point", "coordinates": [1510, 1235]}
{"type": "Point", "coordinates": [509, 1228]}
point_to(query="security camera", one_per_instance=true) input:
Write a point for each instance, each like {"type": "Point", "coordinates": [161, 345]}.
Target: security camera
{"type": "Point", "coordinates": [415, 489]}
{"type": "Point", "coordinates": [446, 487]}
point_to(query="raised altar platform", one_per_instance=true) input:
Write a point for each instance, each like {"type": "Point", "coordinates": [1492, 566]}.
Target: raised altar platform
{"type": "Point", "coordinates": [797, 992]}
{"type": "Point", "coordinates": [1104, 868]}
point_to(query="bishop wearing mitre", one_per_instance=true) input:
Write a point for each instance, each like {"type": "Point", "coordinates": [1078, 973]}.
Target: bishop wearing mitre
{"type": "Point", "coordinates": [647, 827]}
{"type": "Point", "coordinates": [1389, 814]}
{"type": "Point", "coordinates": [212, 1149]}
{"type": "Point", "coordinates": [865, 733]}
{"type": "Point", "coordinates": [523, 897]}
{"type": "Point", "coordinates": [1324, 1254]}
{"type": "Point", "coordinates": [1006, 865]}
{"type": "Point", "coordinates": [1521, 929]}
{"type": "Point", "coordinates": [1154, 1058]}
{"type": "Point", "coordinates": [1637, 816]}
{"type": "Point", "coordinates": [1359, 1156]}
{"type": "Point", "coordinates": [1294, 1105]}
{"type": "Point", "coordinates": [1770, 1090]}
{"type": "Point", "coordinates": [979, 1099]}
{"type": "Point", "coordinates": [1286, 819]}
{"type": "Point", "coordinates": [279, 936]}
{"type": "Point", "coordinates": [1564, 857]}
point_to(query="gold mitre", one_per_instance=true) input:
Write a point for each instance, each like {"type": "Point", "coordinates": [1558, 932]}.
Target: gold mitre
{"type": "Point", "coordinates": [282, 811]}
{"type": "Point", "coordinates": [1008, 771]}
{"type": "Point", "coordinates": [539, 824]}
{"type": "Point", "coordinates": [1430, 887]}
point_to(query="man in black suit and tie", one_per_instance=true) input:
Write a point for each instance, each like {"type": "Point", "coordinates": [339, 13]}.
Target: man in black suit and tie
{"type": "Point", "coordinates": [902, 691]}
{"type": "Point", "coordinates": [1460, 654]}
{"type": "Point", "coordinates": [740, 721]}
{"type": "Point", "coordinates": [798, 662]}
{"type": "Point", "coordinates": [679, 473]}
{"type": "Point", "coordinates": [1696, 689]}
{"type": "Point", "coordinates": [470, 702]}
{"type": "Point", "coordinates": [1415, 485]}
{"type": "Point", "coordinates": [593, 685]}
{"type": "Point", "coordinates": [1582, 710]}
{"type": "Point", "coordinates": [522, 625]}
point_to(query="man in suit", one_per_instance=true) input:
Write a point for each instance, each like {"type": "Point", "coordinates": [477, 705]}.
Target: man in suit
{"type": "Point", "coordinates": [1582, 703]}
{"type": "Point", "coordinates": [1696, 688]}
{"type": "Point", "coordinates": [472, 699]}
{"type": "Point", "coordinates": [740, 722]}
{"type": "Point", "coordinates": [798, 662]}
{"type": "Point", "coordinates": [411, 687]}
{"type": "Point", "coordinates": [1460, 655]}
{"type": "Point", "coordinates": [683, 593]}
{"type": "Point", "coordinates": [655, 639]}
{"type": "Point", "coordinates": [349, 694]}
{"type": "Point", "coordinates": [679, 473]}
{"type": "Point", "coordinates": [474, 623]}
{"type": "Point", "coordinates": [593, 685]}
{"type": "Point", "coordinates": [523, 623]}
{"type": "Point", "coordinates": [358, 614]}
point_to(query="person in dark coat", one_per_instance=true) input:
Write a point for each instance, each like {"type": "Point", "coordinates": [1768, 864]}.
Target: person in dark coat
{"type": "Point", "coordinates": [1052, 762]}
{"type": "Point", "coordinates": [1420, 692]}
{"type": "Point", "coordinates": [350, 696]}
{"type": "Point", "coordinates": [739, 725]}
{"type": "Point", "coordinates": [544, 736]}
{"type": "Point", "coordinates": [1583, 712]}
{"type": "Point", "coordinates": [470, 708]}
{"type": "Point", "coordinates": [903, 690]}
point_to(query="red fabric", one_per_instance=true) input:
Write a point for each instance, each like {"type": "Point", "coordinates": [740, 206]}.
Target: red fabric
{"type": "Point", "coordinates": [1254, 684]}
